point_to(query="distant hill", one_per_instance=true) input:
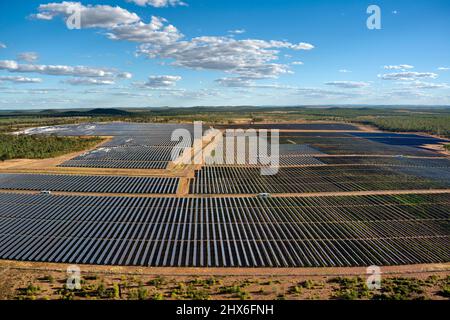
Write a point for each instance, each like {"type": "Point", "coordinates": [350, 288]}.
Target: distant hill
{"type": "Point", "coordinates": [89, 113]}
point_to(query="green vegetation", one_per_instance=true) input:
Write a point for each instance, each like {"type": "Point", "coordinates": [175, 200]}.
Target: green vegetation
{"type": "Point", "coordinates": [196, 288]}
{"type": "Point", "coordinates": [189, 291]}
{"type": "Point", "coordinates": [402, 289]}
{"type": "Point", "coordinates": [141, 293]}
{"type": "Point", "coordinates": [433, 124]}
{"type": "Point", "coordinates": [41, 147]}
{"type": "Point", "coordinates": [350, 288]}
{"type": "Point", "coordinates": [29, 292]}
{"type": "Point", "coordinates": [447, 146]}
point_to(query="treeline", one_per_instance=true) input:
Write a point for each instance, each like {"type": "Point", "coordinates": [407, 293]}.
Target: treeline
{"type": "Point", "coordinates": [41, 147]}
{"type": "Point", "coordinates": [433, 124]}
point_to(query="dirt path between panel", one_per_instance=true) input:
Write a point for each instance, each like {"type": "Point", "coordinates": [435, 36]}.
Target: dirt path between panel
{"type": "Point", "coordinates": [181, 193]}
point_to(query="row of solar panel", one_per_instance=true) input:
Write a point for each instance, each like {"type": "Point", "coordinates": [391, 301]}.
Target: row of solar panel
{"type": "Point", "coordinates": [116, 164]}
{"type": "Point", "coordinates": [235, 180]}
{"type": "Point", "coordinates": [96, 184]}
{"type": "Point", "coordinates": [228, 232]}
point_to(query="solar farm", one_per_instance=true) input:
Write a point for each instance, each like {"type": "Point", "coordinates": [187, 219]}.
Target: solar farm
{"type": "Point", "coordinates": [343, 196]}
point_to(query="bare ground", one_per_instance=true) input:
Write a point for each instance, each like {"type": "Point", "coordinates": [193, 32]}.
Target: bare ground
{"type": "Point", "coordinates": [26, 280]}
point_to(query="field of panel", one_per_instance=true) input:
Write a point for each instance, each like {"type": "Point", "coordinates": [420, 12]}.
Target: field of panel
{"type": "Point", "coordinates": [226, 232]}
{"type": "Point", "coordinates": [112, 129]}
{"type": "Point", "coordinates": [240, 180]}
{"type": "Point", "coordinates": [248, 152]}
{"type": "Point", "coordinates": [293, 126]}
{"type": "Point", "coordinates": [125, 157]}
{"type": "Point", "coordinates": [388, 161]}
{"type": "Point", "coordinates": [133, 145]}
{"type": "Point", "coordinates": [97, 184]}
{"type": "Point", "coordinates": [134, 141]}
{"type": "Point", "coordinates": [352, 145]}
{"type": "Point", "coordinates": [412, 140]}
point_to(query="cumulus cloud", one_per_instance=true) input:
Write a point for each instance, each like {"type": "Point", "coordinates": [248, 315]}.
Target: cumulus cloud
{"type": "Point", "coordinates": [247, 58]}
{"type": "Point", "coordinates": [235, 82]}
{"type": "Point", "coordinates": [155, 32]}
{"type": "Point", "coordinates": [98, 16]}
{"type": "Point", "coordinates": [28, 56]}
{"type": "Point", "coordinates": [158, 3]}
{"type": "Point", "coordinates": [89, 82]}
{"type": "Point", "coordinates": [250, 58]}
{"type": "Point", "coordinates": [124, 75]}
{"type": "Point", "coordinates": [347, 84]}
{"type": "Point", "coordinates": [428, 85]}
{"type": "Point", "coordinates": [55, 70]}
{"type": "Point", "coordinates": [408, 76]}
{"type": "Point", "coordinates": [399, 67]}
{"type": "Point", "coordinates": [443, 68]}
{"type": "Point", "coordinates": [297, 63]}
{"type": "Point", "coordinates": [2, 45]}
{"type": "Point", "coordinates": [160, 82]}
{"type": "Point", "coordinates": [344, 71]}
{"type": "Point", "coordinates": [18, 79]}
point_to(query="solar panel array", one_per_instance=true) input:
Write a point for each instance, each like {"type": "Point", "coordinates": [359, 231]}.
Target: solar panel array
{"type": "Point", "coordinates": [226, 232]}
{"type": "Point", "coordinates": [249, 180]}
{"type": "Point", "coordinates": [133, 146]}
{"type": "Point", "coordinates": [139, 157]}
{"type": "Point", "coordinates": [292, 126]}
{"type": "Point", "coordinates": [96, 184]}
{"type": "Point", "coordinates": [388, 161]}
{"type": "Point", "coordinates": [347, 144]}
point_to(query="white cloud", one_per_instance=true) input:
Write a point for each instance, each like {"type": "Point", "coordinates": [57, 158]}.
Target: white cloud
{"type": "Point", "coordinates": [238, 82]}
{"type": "Point", "coordinates": [89, 82]}
{"type": "Point", "coordinates": [406, 94]}
{"type": "Point", "coordinates": [429, 85]}
{"type": "Point", "coordinates": [235, 82]}
{"type": "Point", "coordinates": [247, 58]}
{"type": "Point", "coordinates": [124, 75]}
{"type": "Point", "coordinates": [344, 71]}
{"type": "Point", "coordinates": [237, 31]}
{"type": "Point", "coordinates": [2, 45]}
{"type": "Point", "coordinates": [297, 63]}
{"type": "Point", "coordinates": [158, 3]}
{"type": "Point", "coordinates": [28, 56]}
{"type": "Point", "coordinates": [250, 58]}
{"type": "Point", "coordinates": [160, 82]}
{"type": "Point", "coordinates": [408, 76]}
{"type": "Point", "coordinates": [18, 79]}
{"type": "Point", "coordinates": [156, 32]}
{"type": "Point", "coordinates": [55, 70]}
{"type": "Point", "coordinates": [348, 84]}
{"type": "Point", "coordinates": [316, 93]}
{"type": "Point", "coordinates": [98, 16]}
{"type": "Point", "coordinates": [399, 67]}
{"type": "Point", "coordinates": [443, 68]}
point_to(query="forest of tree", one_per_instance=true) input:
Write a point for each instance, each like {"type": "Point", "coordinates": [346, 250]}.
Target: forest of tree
{"type": "Point", "coordinates": [41, 147]}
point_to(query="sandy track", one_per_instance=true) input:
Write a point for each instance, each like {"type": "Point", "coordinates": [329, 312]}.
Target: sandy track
{"type": "Point", "coordinates": [175, 271]}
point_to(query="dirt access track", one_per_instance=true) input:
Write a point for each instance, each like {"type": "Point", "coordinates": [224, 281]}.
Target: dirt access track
{"type": "Point", "coordinates": [23, 266]}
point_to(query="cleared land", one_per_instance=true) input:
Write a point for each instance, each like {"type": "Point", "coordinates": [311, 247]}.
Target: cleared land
{"type": "Point", "coordinates": [24, 280]}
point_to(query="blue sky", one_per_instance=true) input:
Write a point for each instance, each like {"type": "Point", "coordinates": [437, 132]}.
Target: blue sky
{"type": "Point", "coordinates": [150, 53]}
